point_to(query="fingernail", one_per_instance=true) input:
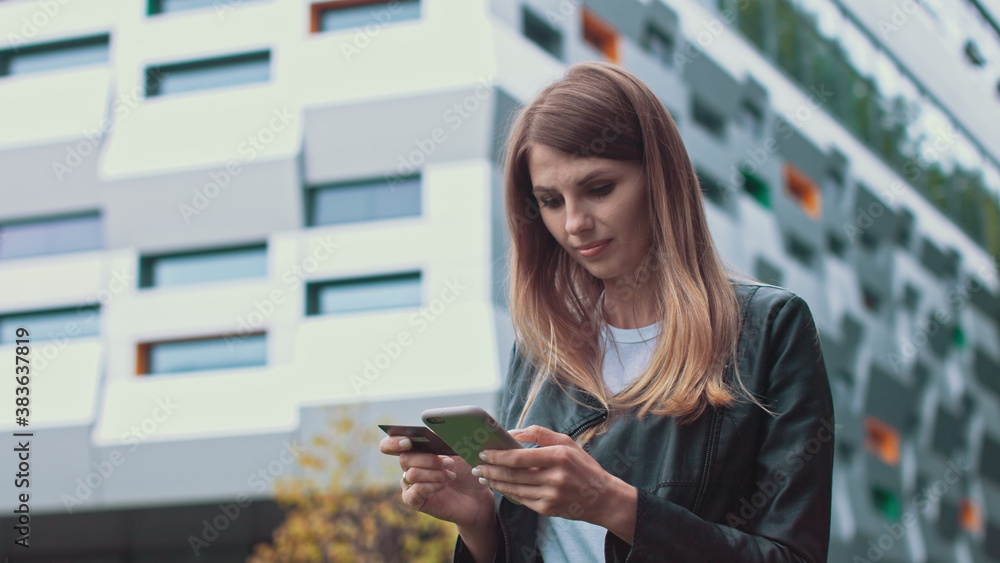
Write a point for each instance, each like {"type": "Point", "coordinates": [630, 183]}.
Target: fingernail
{"type": "Point", "coordinates": [483, 481]}
{"type": "Point", "coordinates": [451, 475]}
{"type": "Point", "coordinates": [405, 443]}
{"type": "Point", "coordinates": [447, 462]}
{"type": "Point", "coordinates": [476, 472]}
{"type": "Point", "coordinates": [482, 456]}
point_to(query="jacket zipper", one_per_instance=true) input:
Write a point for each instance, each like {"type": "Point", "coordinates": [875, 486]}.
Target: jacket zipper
{"type": "Point", "coordinates": [708, 454]}
{"type": "Point", "coordinates": [587, 424]}
{"type": "Point", "coordinates": [503, 528]}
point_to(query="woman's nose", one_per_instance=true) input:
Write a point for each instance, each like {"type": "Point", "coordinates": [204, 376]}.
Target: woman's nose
{"type": "Point", "coordinates": [578, 218]}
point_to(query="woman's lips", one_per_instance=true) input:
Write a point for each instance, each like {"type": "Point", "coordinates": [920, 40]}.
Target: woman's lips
{"type": "Point", "coordinates": [594, 250]}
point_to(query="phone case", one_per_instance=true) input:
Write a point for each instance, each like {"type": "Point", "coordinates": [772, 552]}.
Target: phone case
{"type": "Point", "coordinates": [468, 430]}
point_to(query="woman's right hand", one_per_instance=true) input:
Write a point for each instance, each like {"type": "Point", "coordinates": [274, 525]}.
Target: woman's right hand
{"type": "Point", "coordinates": [441, 486]}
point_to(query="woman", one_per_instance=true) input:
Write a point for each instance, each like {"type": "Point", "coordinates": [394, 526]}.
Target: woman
{"type": "Point", "coordinates": [681, 413]}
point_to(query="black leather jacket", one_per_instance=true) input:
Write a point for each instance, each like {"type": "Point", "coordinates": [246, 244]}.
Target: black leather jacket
{"type": "Point", "coordinates": [736, 484]}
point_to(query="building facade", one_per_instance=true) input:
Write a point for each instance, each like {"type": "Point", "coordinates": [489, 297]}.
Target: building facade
{"type": "Point", "coordinates": [223, 220]}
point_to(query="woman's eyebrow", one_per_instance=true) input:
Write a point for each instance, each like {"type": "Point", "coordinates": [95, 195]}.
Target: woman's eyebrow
{"type": "Point", "coordinates": [588, 177]}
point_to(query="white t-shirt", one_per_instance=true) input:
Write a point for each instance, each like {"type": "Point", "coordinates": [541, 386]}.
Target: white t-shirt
{"type": "Point", "coordinates": [626, 354]}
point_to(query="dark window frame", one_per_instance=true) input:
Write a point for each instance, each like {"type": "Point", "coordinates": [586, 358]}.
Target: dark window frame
{"type": "Point", "coordinates": [155, 74]}
{"type": "Point", "coordinates": [75, 42]}
{"type": "Point", "coordinates": [147, 262]}
{"type": "Point", "coordinates": [313, 191]}
{"type": "Point", "coordinates": [314, 288]}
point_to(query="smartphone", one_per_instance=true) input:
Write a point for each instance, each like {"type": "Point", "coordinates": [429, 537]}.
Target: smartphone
{"type": "Point", "coordinates": [468, 430]}
{"type": "Point", "coordinates": [423, 439]}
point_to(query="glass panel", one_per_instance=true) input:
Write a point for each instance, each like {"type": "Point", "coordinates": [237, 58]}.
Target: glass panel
{"type": "Point", "coordinates": [660, 46]}
{"type": "Point", "coordinates": [50, 236]}
{"type": "Point", "coordinates": [365, 201]}
{"type": "Point", "coordinates": [333, 19]}
{"type": "Point", "coordinates": [213, 353]}
{"type": "Point", "coordinates": [162, 6]}
{"type": "Point", "coordinates": [366, 295]}
{"type": "Point", "coordinates": [56, 56]}
{"type": "Point", "coordinates": [205, 75]}
{"type": "Point", "coordinates": [205, 267]}
{"type": "Point", "coordinates": [56, 324]}
{"type": "Point", "coordinates": [537, 30]}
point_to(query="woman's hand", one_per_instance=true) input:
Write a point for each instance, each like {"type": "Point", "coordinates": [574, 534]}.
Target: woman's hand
{"type": "Point", "coordinates": [441, 486]}
{"type": "Point", "coordinates": [559, 478]}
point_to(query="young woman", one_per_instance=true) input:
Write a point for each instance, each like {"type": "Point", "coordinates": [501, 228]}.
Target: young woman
{"type": "Point", "coordinates": [680, 412]}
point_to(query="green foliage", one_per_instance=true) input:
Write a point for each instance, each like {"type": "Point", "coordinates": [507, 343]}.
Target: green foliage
{"type": "Point", "coordinates": [349, 517]}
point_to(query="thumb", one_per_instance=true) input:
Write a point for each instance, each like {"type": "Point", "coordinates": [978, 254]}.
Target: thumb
{"type": "Point", "coordinates": [541, 435]}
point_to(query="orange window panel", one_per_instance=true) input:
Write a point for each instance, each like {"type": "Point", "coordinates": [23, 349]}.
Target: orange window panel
{"type": "Point", "coordinates": [316, 10]}
{"type": "Point", "coordinates": [142, 359]}
{"type": "Point", "coordinates": [970, 516]}
{"type": "Point", "coordinates": [804, 191]}
{"type": "Point", "coordinates": [599, 34]}
{"type": "Point", "coordinates": [882, 440]}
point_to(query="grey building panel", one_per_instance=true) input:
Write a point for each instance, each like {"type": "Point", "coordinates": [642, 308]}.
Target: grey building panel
{"type": "Point", "coordinates": [987, 371]}
{"type": "Point", "coordinates": [204, 208]}
{"type": "Point", "coordinates": [941, 263]}
{"type": "Point", "coordinates": [35, 184]}
{"type": "Point", "coordinates": [713, 85]}
{"type": "Point", "coordinates": [220, 469]}
{"type": "Point", "coordinates": [798, 150]}
{"type": "Point", "coordinates": [387, 138]}
{"type": "Point", "coordinates": [505, 108]}
{"type": "Point", "coordinates": [58, 456]}
{"type": "Point", "coordinates": [626, 16]}
{"type": "Point", "coordinates": [891, 400]}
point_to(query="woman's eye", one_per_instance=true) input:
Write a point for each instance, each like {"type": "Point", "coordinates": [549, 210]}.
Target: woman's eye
{"type": "Point", "coordinates": [548, 202]}
{"type": "Point", "coordinates": [603, 190]}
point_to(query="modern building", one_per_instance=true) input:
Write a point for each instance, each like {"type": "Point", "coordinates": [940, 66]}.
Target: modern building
{"type": "Point", "coordinates": [223, 220]}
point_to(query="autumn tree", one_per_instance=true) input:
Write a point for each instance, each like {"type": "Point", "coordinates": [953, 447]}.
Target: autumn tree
{"type": "Point", "coordinates": [350, 516]}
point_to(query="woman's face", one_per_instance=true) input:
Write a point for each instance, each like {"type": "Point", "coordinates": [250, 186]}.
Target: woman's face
{"type": "Point", "coordinates": [587, 201]}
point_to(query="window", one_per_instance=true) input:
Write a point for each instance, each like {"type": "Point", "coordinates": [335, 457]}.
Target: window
{"type": "Point", "coordinates": [51, 56]}
{"type": "Point", "coordinates": [804, 191]}
{"type": "Point", "coordinates": [836, 244]}
{"type": "Point", "coordinates": [911, 297]}
{"type": "Point", "coordinates": [52, 324]}
{"type": "Point", "coordinates": [218, 352]}
{"type": "Point", "coordinates": [600, 35]}
{"type": "Point", "coordinates": [247, 68]}
{"type": "Point", "coordinates": [203, 266]}
{"type": "Point", "coordinates": [351, 14]}
{"type": "Point", "coordinates": [970, 516]}
{"type": "Point", "coordinates": [800, 250]}
{"type": "Point", "coordinates": [973, 54]}
{"type": "Point", "coordinates": [707, 117]}
{"type": "Point", "coordinates": [989, 459]}
{"type": "Point", "coordinates": [541, 33]}
{"type": "Point", "coordinates": [757, 189]}
{"type": "Point", "coordinates": [713, 190]}
{"type": "Point", "coordinates": [886, 503]}
{"type": "Point", "coordinates": [364, 294]}
{"type": "Point", "coordinates": [363, 200]}
{"type": "Point", "coordinates": [36, 237]}
{"type": "Point", "coordinates": [659, 44]}
{"type": "Point", "coordinates": [751, 118]}
{"type": "Point", "coordinates": [767, 272]}
{"type": "Point", "coordinates": [163, 6]}
{"type": "Point", "coordinates": [870, 299]}
{"type": "Point", "coordinates": [882, 440]}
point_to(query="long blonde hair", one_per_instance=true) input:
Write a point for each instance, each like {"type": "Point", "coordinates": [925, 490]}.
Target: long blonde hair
{"type": "Point", "coordinates": [600, 109]}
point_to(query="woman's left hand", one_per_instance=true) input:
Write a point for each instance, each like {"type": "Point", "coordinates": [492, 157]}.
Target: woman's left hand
{"type": "Point", "coordinates": [559, 478]}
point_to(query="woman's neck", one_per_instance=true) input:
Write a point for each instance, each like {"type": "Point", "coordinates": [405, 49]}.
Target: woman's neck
{"type": "Point", "coordinates": [628, 308]}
